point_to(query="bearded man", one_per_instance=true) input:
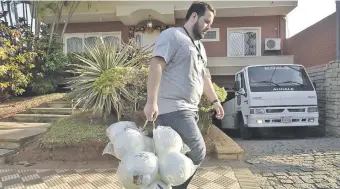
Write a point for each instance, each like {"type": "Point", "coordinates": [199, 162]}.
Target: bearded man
{"type": "Point", "coordinates": [178, 77]}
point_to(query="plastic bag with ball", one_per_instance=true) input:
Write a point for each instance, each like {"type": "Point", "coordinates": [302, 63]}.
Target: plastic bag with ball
{"type": "Point", "coordinates": [129, 141]}
{"type": "Point", "coordinates": [166, 139]}
{"type": "Point", "coordinates": [138, 170]}
{"type": "Point", "coordinates": [116, 128]}
{"type": "Point", "coordinates": [175, 168]}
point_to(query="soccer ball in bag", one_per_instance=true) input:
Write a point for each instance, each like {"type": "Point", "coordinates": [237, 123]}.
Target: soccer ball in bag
{"type": "Point", "coordinates": [126, 142]}
{"type": "Point", "coordinates": [138, 170]}
{"type": "Point", "coordinates": [175, 168]}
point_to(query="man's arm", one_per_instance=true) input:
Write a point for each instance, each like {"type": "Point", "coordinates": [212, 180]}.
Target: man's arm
{"type": "Point", "coordinates": [164, 50]}
{"type": "Point", "coordinates": [157, 66]}
{"type": "Point", "coordinates": [208, 88]}
{"type": "Point", "coordinates": [210, 93]}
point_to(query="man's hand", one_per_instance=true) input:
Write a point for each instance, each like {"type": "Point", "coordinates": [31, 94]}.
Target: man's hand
{"type": "Point", "coordinates": [219, 110]}
{"type": "Point", "coordinates": [151, 111]}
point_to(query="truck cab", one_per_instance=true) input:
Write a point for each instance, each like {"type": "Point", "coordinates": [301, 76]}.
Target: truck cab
{"type": "Point", "coordinates": [268, 96]}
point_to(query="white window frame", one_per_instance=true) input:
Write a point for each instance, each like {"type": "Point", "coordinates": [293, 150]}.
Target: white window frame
{"type": "Point", "coordinates": [82, 36]}
{"type": "Point", "coordinates": [245, 29]}
{"type": "Point", "coordinates": [217, 30]}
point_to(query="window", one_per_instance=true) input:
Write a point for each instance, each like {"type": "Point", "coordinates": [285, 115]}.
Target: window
{"type": "Point", "coordinates": [76, 42]}
{"type": "Point", "coordinates": [212, 35]}
{"type": "Point", "coordinates": [238, 78]}
{"type": "Point", "coordinates": [279, 78]}
{"type": "Point", "coordinates": [244, 42]}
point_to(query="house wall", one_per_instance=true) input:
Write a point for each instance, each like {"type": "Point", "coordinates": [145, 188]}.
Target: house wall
{"type": "Point", "coordinates": [269, 28]}
{"type": "Point", "coordinates": [315, 45]}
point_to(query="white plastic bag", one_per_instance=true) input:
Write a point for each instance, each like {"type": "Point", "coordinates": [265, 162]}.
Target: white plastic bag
{"type": "Point", "coordinates": [158, 184]}
{"type": "Point", "coordinates": [166, 139]}
{"type": "Point", "coordinates": [126, 142]}
{"type": "Point", "coordinates": [148, 144]}
{"type": "Point", "coordinates": [138, 170]}
{"type": "Point", "coordinates": [175, 168]}
{"type": "Point", "coordinates": [109, 149]}
{"type": "Point", "coordinates": [116, 128]}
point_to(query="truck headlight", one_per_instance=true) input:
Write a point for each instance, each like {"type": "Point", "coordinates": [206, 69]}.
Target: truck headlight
{"type": "Point", "coordinates": [312, 109]}
{"type": "Point", "coordinates": [257, 111]}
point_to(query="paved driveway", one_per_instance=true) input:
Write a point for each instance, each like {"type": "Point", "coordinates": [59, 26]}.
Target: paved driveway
{"type": "Point", "coordinates": [294, 163]}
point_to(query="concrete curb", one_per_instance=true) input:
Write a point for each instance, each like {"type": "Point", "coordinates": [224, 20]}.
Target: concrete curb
{"type": "Point", "coordinates": [226, 149]}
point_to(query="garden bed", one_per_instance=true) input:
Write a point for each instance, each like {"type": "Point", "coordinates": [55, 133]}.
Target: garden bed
{"type": "Point", "coordinates": [79, 138]}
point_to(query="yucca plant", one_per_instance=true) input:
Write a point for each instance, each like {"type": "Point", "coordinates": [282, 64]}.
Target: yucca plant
{"type": "Point", "coordinates": [103, 74]}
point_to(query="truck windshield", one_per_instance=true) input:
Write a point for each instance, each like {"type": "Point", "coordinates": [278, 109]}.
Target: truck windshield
{"type": "Point", "coordinates": [279, 78]}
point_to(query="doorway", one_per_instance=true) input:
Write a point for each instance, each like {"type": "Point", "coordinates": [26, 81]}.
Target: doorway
{"type": "Point", "coordinates": [147, 39]}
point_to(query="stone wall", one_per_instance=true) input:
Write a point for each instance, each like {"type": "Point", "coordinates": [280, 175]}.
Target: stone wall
{"type": "Point", "coordinates": [327, 81]}
{"type": "Point", "coordinates": [332, 83]}
{"type": "Point", "coordinates": [318, 76]}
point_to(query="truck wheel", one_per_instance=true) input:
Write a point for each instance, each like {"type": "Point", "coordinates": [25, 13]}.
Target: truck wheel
{"type": "Point", "coordinates": [244, 131]}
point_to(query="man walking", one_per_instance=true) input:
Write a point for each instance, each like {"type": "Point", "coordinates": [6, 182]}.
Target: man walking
{"type": "Point", "coordinates": [178, 77]}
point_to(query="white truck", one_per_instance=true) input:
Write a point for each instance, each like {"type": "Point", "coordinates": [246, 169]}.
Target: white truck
{"type": "Point", "coordinates": [268, 96]}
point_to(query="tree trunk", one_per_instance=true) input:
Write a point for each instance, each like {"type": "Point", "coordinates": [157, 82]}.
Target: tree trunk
{"type": "Point", "coordinates": [3, 9]}
{"type": "Point", "coordinates": [59, 10]}
{"type": "Point", "coordinates": [33, 15]}
{"type": "Point", "coordinates": [37, 27]}
{"type": "Point", "coordinates": [16, 17]}
{"type": "Point", "coordinates": [26, 13]}
{"type": "Point", "coordinates": [51, 38]}
{"type": "Point", "coordinates": [9, 13]}
{"type": "Point", "coordinates": [70, 14]}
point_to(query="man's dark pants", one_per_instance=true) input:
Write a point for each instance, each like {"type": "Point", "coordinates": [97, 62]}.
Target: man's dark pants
{"type": "Point", "coordinates": [185, 124]}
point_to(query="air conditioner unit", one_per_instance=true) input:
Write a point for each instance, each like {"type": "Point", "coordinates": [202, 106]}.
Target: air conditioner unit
{"type": "Point", "coordinates": [272, 44]}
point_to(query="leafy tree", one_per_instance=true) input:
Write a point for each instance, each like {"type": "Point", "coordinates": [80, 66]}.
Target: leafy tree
{"type": "Point", "coordinates": [16, 60]}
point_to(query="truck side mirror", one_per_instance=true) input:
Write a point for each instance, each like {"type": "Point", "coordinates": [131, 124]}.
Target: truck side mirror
{"type": "Point", "coordinates": [237, 85]}
{"type": "Point", "coordinates": [314, 84]}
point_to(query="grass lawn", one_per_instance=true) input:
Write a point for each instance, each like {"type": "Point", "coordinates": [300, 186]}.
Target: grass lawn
{"type": "Point", "coordinates": [77, 129]}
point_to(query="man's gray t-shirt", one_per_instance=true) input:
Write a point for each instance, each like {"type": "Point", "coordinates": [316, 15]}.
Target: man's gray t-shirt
{"type": "Point", "coordinates": [182, 81]}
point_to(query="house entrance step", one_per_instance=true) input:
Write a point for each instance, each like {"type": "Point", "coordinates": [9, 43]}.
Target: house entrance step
{"type": "Point", "coordinates": [13, 134]}
{"type": "Point", "coordinates": [35, 118]}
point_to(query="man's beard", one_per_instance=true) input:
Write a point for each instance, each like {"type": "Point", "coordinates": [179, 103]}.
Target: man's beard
{"type": "Point", "coordinates": [196, 31]}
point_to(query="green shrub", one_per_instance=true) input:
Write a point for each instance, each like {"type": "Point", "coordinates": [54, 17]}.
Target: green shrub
{"type": "Point", "coordinates": [205, 105]}
{"type": "Point", "coordinates": [205, 109]}
{"type": "Point", "coordinates": [49, 69]}
{"type": "Point", "coordinates": [16, 60]}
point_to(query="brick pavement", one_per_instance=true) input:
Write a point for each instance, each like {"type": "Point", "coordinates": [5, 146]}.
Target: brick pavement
{"type": "Point", "coordinates": [221, 177]}
{"type": "Point", "coordinates": [297, 163]}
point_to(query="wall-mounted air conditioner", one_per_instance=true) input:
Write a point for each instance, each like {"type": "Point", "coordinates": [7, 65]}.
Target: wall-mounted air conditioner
{"type": "Point", "coordinates": [272, 44]}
